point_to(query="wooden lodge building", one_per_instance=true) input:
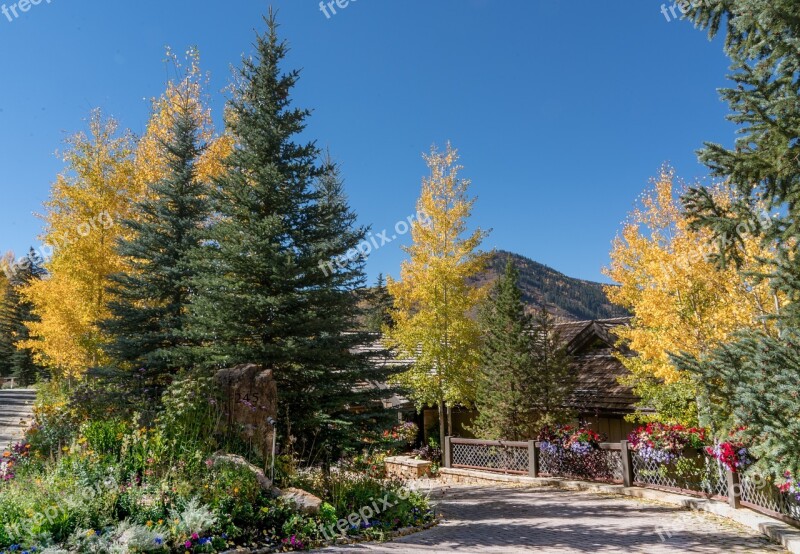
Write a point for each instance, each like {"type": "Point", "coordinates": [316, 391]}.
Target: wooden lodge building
{"type": "Point", "coordinates": [598, 400]}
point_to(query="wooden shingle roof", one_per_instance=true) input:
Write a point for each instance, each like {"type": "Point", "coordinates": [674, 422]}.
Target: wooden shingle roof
{"type": "Point", "coordinates": [593, 357]}
{"type": "Point", "coordinates": [591, 345]}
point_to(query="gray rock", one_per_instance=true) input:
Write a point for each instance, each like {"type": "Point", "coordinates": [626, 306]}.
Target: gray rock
{"type": "Point", "coordinates": [305, 501]}
{"type": "Point", "coordinates": [233, 459]}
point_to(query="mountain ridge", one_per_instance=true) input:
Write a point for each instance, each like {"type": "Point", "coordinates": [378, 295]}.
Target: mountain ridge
{"type": "Point", "coordinates": [567, 298]}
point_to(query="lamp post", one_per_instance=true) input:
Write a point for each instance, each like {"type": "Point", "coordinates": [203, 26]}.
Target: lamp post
{"type": "Point", "coordinates": [274, 425]}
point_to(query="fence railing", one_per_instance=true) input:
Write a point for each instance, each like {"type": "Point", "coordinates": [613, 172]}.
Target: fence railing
{"type": "Point", "coordinates": [695, 472]}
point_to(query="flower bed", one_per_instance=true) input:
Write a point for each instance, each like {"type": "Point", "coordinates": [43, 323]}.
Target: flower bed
{"type": "Point", "coordinates": [791, 486]}
{"type": "Point", "coordinates": [116, 486]}
{"type": "Point", "coordinates": [664, 444]}
{"type": "Point", "coordinates": [575, 452]}
{"type": "Point", "coordinates": [10, 458]}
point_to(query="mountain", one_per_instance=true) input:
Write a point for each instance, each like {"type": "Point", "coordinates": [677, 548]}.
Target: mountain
{"type": "Point", "coordinates": [568, 299]}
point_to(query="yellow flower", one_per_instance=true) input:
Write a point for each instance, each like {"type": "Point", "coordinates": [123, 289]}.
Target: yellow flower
{"type": "Point", "coordinates": [90, 533]}
{"type": "Point", "coordinates": [149, 523]}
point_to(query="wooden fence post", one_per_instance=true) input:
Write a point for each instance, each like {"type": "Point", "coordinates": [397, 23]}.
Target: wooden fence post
{"type": "Point", "coordinates": [627, 464]}
{"type": "Point", "coordinates": [734, 489]}
{"type": "Point", "coordinates": [533, 459]}
{"type": "Point", "coordinates": [448, 461]}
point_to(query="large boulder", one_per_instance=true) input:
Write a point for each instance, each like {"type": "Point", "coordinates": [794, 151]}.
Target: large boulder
{"type": "Point", "coordinates": [233, 459]}
{"type": "Point", "coordinates": [303, 501]}
{"type": "Point", "coordinates": [251, 398]}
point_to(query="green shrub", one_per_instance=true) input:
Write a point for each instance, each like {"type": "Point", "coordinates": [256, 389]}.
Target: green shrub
{"type": "Point", "coordinates": [104, 437]}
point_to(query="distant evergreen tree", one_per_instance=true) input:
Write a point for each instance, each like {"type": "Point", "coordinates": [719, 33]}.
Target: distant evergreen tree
{"type": "Point", "coordinates": [379, 307]}
{"type": "Point", "coordinates": [525, 379]}
{"type": "Point", "coordinates": [151, 299]}
{"type": "Point", "coordinates": [551, 375]}
{"type": "Point", "coordinates": [504, 388]}
{"type": "Point", "coordinates": [15, 312]}
{"type": "Point", "coordinates": [276, 285]}
{"type": "Point", "coordinates": [6, 339]}
{"type": "Point", "coordinates": [753, 382]}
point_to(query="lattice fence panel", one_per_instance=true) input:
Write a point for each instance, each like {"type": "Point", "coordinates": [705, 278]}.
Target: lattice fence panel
{"type": "Point", "coordinates": [693, 473]}
{"type": "Point", "coordinates": [764, 494]}
{"type": "Point", "coordinates": [605, 465]}
{"type": "Point", "coordinates": [491, 458]}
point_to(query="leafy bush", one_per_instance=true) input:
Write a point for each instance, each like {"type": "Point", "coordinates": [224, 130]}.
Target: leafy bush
{"type": "Point", "coordinates": [380, 505]}
{"type": "Point", "coordinates": [404, 434]}
{"type": "Point", "coordinates": [104, 437]}
{"type": "Point", "coordinates": [429, 453]}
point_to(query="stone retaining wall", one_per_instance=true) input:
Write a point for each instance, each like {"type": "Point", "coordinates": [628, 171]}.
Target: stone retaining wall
{"type": "Point", "coordinates": [406, 467]}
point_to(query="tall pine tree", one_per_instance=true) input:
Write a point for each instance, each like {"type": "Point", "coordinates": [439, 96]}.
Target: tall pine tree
{"type": "Point", "coordinates": [6, 340]}
{"type": "Point", "coordinates": [151, 297]}
{"type": "Point", "coordinates": [551, 375]}
{"type": "Point", "coordinates": [276, 284]}
{"type": "Point", "coordinates": [752, 381]}
{"type": "Point", "coordinates": [504, 387]}
{"type": "Point", "coordinates": [525, 380]}
{"type": "Point", "coordinates": [379, 307]}
{"type": "Point", "coordinates": [15, 312]}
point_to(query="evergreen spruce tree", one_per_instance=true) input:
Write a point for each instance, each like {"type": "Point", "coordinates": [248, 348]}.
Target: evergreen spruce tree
{"type": "Point", "coordinates": [277, 277]}
{"type": "Point", "coordinates": [551, 375]}
{"type": "Point", "coordinates": [504, 388]}
{"type": "Point", "coordinates": [379, 307]}
{"type": "Point", "coordinates": [752, 381]}
{"type": "Point", "coordinates": [151, 299]}
{"type": "Point", "coordinates": [15, 312]}
{"type": "Point", "coordinates": [6, 339]}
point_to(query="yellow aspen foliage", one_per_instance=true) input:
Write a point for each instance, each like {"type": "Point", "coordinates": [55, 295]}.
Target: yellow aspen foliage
{"type": "Point", "coordinates": [681, 300]}
{"type": "Point", "coordinates": [86, 201]}
{"type": "Point", "coordinates": [106, 177]}
{"type": "Point", "coordinates": [7, 262]}
{"type": "Point", "coordinates": [434, 300]}
{"type": "Point", "coordinates": [185, 95]}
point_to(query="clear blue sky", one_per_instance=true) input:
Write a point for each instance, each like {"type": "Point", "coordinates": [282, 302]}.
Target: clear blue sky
{"type": "Point", "coordinates": [561, 110]}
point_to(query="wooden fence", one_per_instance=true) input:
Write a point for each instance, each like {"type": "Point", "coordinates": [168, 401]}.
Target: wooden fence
{"type": "Point", "coordinates": [618, 463]}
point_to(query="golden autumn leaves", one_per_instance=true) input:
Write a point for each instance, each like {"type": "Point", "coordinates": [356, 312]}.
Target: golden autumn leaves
{"type": "Point", "coordinates": [107, 171]}
{"type": "Point", "coordinates": [434, 298]}
{"type": "Point", "coordinates": [681, 300]}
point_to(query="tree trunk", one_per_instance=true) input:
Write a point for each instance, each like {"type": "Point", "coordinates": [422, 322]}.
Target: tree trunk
{"type": "Point", "coordinates": [442, 434]}
{"type": "Point", "coordinates": [449, 420]}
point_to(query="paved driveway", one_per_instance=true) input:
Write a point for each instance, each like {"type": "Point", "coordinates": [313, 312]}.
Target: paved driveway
{"type": "Point", "coordinates": [510, 520]}
{"type": "Point", "coordinates": [16, 407]}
